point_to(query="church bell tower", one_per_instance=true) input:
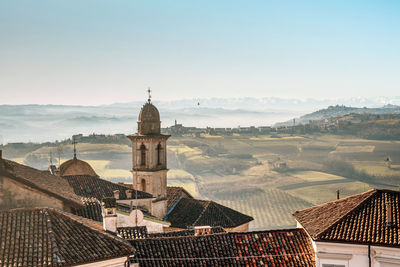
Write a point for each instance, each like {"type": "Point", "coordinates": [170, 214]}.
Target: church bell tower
{"type": "Point", "coordinates": [149, 157]}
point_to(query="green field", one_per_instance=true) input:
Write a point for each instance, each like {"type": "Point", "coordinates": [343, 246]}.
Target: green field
{"type": "Point", "coordinates": [263, 176]}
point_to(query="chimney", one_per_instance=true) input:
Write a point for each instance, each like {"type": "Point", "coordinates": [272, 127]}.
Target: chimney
{"type": "Point", "coordinates": [389, 221]}
{"type": "Point", "coordinates": [337, 194]}
{"type": "Point", "coordinates": [202, 230]}
{"type": "Point", "coordinates": [109, 212]}
{"type": "Point", "coordinates": [116, 194]}
{"type": "Point", "coordinates": [128, 193]}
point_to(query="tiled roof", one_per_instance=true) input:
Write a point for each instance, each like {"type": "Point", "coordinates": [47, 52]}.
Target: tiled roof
{"type": "Point", "coordinates": [50, 237]}
{"type": "Point", "coordinates": [92, 209]}
{"type": "Point", "coordinates": [40, 180]}
{"type": "Point", "coordinates": [93, 186]}
{"type": "Point", "coordinates": [268, 248]}
{"type": "Point", "coordinates": [130, 233]}
{"type": "Point", "coordinates": [174, 193]}
{"type": "Point", "coordinates": [356, 219]}
{"type": "Point", "coordinates": [194, 212]}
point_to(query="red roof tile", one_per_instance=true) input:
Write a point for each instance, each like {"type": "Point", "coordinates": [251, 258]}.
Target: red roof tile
{"type": "Point", "coordinates": [268, 248]}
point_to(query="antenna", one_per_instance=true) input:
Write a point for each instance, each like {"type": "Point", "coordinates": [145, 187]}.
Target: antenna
{"type": "Point", "coordinates": [59, 152]}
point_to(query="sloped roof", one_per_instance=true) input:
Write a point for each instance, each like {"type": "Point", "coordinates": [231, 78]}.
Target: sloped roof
{"type": "Point", "coordinates": [40, 180]}
{"type": "Point", "coordinates": [174, 193]}
{"type": "Point", "coordinates": [290, 247]}
{"type": "Point", "coordinates": [93, 186]}
{"type": "Point", "coordinates": [91, 209]}
{"type": "Point", "coordinates": [50, 237]}
{"type": "Point", "coordinates": [130, 233]}
{"type": "Point", "coordinates": [194, 212]}
{"type": "Point", "coordinates": [356, 219]}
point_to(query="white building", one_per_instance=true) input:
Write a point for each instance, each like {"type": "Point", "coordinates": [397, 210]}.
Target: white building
{"type": "Point", "coordinates": [360, 230]}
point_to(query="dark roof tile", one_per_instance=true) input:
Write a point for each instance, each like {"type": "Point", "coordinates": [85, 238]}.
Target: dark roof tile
{"type": "Point", "coordinates": [194, 212]}
{"type": "Point", "coordinates": [174, 193]}
{"type": "Point", "coordinates": [93, 186]}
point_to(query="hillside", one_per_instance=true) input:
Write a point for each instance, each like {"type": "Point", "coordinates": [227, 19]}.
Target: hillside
{"type": "Point", "coordinates": [337, 111]}
{"type": "Point", "coordinates": [263, 176]}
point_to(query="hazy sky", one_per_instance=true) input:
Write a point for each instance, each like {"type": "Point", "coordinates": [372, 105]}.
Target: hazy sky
{"type": "Point", "coordinates": [95, 51]}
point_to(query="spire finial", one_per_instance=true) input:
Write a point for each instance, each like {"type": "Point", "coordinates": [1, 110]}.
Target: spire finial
{"type": "Point", "coordinates": [149, 91]}
{"type": "Point", "coordinates": [74, 143]}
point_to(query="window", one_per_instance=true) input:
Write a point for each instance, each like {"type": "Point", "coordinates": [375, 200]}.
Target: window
{"type": "Point", "coordinates": [143, 183]}
{"type": "Point", "coordinates": [142, 155]}
{"type": "Point", "coordinates": [159, 148]}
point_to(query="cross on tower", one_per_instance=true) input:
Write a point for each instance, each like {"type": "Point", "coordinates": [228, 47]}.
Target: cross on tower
{"type": "Point", "coordinates": [149, 91]}
{"type": "Point", "coordinates": [74, 143]}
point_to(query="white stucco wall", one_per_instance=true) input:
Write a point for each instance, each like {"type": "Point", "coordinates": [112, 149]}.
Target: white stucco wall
{"type": "Point", "coordinates": [151, 225]}
{"type": "Point", "coordinates": [351, 255]}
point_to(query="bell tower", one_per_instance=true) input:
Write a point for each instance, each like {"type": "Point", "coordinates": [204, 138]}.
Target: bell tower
{"type": "Point", "coordinates": [149, 157]}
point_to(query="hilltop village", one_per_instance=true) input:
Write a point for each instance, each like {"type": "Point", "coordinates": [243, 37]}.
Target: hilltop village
{"type": "Point", "coordinates": [70, 216]}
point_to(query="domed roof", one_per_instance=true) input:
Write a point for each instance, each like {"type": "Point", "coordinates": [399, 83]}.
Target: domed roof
{"type": "Point", "coordinates": [149, 120]}
{"type": "Point", "coordinates": [76, 167]}
{"type": "Point", "coordinates": [149, 113]}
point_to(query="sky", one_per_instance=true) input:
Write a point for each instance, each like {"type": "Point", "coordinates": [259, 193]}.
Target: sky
{"type": "Point", "coordinates": [96, 52]}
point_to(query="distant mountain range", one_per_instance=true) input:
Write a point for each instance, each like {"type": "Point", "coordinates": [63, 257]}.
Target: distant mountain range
{"type": "Point", "coordinates": [39, 123]}
{"type": "Point", "coordinates": [335, 111]}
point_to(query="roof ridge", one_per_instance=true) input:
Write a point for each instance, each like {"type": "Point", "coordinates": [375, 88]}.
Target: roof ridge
{"type": "Point", "coordinates": [372, 191]}
{"type": "Point", "coordinates": [336, 200]}
{"type": "Point", "coordinates": [203, 211]}
{"type": "Point", "coordinates": [216, 206]}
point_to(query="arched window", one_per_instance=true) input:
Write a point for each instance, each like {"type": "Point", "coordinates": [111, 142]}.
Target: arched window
{"type": "Point", "coordinates": [142, 155]}
{"type": "Point", "coordinates": [143, 184]}
{"type": "Point", "coordinates": [159, 148]}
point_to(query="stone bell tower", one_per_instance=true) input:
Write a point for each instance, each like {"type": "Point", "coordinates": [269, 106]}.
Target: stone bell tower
{"type": "Point", "coordinates": [149, 157]}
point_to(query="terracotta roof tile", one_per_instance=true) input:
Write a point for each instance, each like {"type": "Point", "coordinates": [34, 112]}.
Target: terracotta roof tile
{"type": "Point", "coordinates": [268, 248]}
{"type": "Point", "coordinates": [194, 212]}
{"type": "Point", "coordinates": [50, 237]}
{"type": "Point", "coordinates": [356, 219]}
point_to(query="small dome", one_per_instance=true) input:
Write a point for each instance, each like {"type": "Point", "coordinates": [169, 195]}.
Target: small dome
{"type": "Point", "coordinates": [149, 120]}
{"type": "Point", "coordinates": [76, 167]}
{"type": "Point", "coordinates": [149, 113]}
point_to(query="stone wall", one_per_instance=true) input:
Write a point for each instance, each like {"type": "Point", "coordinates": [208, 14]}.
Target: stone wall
{"type": "Point", "coordinates": [16, 195]}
